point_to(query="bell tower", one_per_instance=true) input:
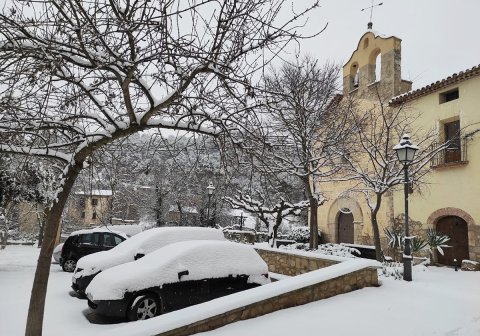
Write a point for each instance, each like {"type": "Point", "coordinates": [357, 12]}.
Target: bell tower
{"type": "Point", "coordinates": [375, 66]}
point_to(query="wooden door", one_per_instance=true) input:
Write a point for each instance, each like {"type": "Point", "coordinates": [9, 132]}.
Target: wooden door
{"type": "Point", "coordinates": [345, 228]}
{"type": "Point", "coordinates": [456, 228]}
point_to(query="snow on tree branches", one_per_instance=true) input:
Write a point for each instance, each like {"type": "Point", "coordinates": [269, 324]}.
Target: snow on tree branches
{"type": "Point", "coordinates": [272, 216]}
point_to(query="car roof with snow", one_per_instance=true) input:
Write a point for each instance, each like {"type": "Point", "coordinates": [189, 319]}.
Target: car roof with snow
{"type": "Point", "coordinates": [203, 259]}
{"type": "Point", "coordinates": [144, 242]}
{"type": "Point", "coordinates": [98, 229]}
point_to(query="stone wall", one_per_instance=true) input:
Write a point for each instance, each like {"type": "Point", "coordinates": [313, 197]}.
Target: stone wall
{"type": "Point", "coordinates": [308, 291]}
{"type": "Point", "coordinates": [366, 277]}
{"type": "Point", "coordinates": [245, 237]}
{"type": "Point", "coordinates": [293, 264]}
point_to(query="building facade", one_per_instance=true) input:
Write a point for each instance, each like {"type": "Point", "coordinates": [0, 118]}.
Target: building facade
{"type": "Point", "coordinates": [448, 200]}
{"type": "Point", "coordinates": [89, 209]}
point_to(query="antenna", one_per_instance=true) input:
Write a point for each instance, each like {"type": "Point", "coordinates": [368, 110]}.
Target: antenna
{"type": "Point", "coordinates": [370, 24]}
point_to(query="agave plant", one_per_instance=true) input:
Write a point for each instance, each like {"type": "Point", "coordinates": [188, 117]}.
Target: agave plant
{"type": "Point", "coordinates": [395, 240]}
{"type": "Point", "coordinates": [418, 244]}
{"type": "Point", "coordinates": [436, 241]}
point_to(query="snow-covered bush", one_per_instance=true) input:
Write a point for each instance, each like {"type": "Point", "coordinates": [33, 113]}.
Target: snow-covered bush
{"type": "Point", "coordinates": [301, 234]}
{"type": "Point", "coordinates": [338, 250]}
{"type": "Point", "coordinates": [244, 236]}
{"type": "Point", "coordinates": [392, 269]}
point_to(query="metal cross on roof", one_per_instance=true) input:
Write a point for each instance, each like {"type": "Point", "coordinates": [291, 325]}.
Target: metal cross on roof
{"type": "Point", "coordinates": [370, 24]}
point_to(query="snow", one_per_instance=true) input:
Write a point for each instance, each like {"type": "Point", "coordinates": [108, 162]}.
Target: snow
{"type": "Point", "coordinates": [471, 262]}
{"type": "Point", "coordinates": [303, 253]}
{"type": "Point", "coordinates": [439, 301]}
{"type": "Point", "coordinates": [249, 220]}
{"type": "Point", "coordinates": [201, 258]}
{"type": "Point", "coordinates": [98, 229]}
{"type": "Point", "coordinates": [145, 242]}
{"type": "Point", "coordinates": [128, 229]}
{"type": "Point", "coordinates": [238, 300]}
{"type": "Point", "coordinates": [57, 251]}
{"type": "Point", "coordinates": [95, 192]}
{"type": "Point", "coordinates": [192, 210]}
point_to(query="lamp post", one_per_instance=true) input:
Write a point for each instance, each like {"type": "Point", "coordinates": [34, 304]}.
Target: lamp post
{"type": "Point", "coordinates": [406, 152]}
{"type": "Point", "coordinates": [210, 190]}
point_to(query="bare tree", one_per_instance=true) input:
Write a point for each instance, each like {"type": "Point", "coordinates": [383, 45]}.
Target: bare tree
{"type": "Point", "coordinates": [271, 216]}
{"type": "Point", "coordinates": [303, 124]}
{"type": "Point", "coordinates": [371, 163]}
{"type": "Point", "coordinates": [78, 75]}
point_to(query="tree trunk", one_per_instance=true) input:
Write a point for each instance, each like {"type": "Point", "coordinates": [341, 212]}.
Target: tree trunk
{"type": "Point", "coordinates": [376, 231]}
{"type": "Point", "coordinates": [278, 222]}
{"type": "Point", "coordinates": [434, 256]}
{"type": "Point", "coordinates": [4, 233]}
{"type": "Point", "coordinates": [40, 282]}
{"type": "Point", "coordinates": [158, 207]}
{"type": "Point", "coordinates": [313, 223]}
{"type": "Point", "coordinates": [41, 226]}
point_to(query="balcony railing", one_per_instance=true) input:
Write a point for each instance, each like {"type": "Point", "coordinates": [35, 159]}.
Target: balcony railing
{"type": "Point", "coordinates": [454, 153]}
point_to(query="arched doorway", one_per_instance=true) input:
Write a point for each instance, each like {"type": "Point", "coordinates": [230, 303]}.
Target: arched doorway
{"type": "Point", "coordinates": [345, 228]}
{"type": "Point", "coordinates": [456, 228]}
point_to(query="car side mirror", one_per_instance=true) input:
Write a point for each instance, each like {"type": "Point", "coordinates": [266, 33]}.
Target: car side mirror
{"type": "Point", "coordinates": [138, 256]}
{"type": "Point", "coordinates": [182, 273]}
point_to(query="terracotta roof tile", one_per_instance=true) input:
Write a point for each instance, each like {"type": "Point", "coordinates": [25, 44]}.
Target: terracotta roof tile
{"type": "Point", "coordinates": [438, 85]}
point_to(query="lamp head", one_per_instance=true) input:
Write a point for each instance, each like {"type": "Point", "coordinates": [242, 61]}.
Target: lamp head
{"type": "Point", "coordinates": [210, 188]}
{"type": "Point", "coordinates": [405, 150]}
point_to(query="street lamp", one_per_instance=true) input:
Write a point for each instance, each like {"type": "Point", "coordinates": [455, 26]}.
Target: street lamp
{"type": "Point", "coordinates": [406, 152]}
{"type": "Point", "coordinates": [210, 190]}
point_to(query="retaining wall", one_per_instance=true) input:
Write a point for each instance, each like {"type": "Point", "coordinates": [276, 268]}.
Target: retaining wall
{"type": "Point", "coordinates": [319, 282]}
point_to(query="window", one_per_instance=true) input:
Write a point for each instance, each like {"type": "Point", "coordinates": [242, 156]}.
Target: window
{"type": "Point", "coordinates": [449, 96]}
{"type": "Point", "coordinates": [83, 214]}
{"type": "Point", "coordinates": [90, 239]}
{"type": "Point", "coordinates": [452, 135]}
{"type": "Point", "coordinates": [94, 201]}
{"type": "Point", "coordinates": [378, 68]}
{"type": "Point", "coordinates": [110, 240]}
{"type": "Point", "coordinates": [94, 215]}
{"type": "Point", "coordinates": [355, 80]}
{"type": "Point", "coordinates": [118, 240]}
{"type": "Point", "coordinates": [81, 202]}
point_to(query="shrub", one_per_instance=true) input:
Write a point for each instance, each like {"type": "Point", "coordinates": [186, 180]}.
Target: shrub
{"type": "Point", "coordinates": [301, 234]}
{"type": "Point", "coordinates": [436, 241]}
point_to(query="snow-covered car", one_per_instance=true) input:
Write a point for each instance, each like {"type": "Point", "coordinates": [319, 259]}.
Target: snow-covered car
{"type": "Point", "coordinates": [134, 248]}
{"type": "Point", "coordinates": [57, 252]}
{"type": "Point", "coordinates": [176, 276]}
{"type": "Point", "coordinates": [84, 242]}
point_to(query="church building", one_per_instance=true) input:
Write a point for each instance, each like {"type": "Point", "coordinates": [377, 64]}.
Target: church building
{"type": "Point", "coordinates": [448, 200]}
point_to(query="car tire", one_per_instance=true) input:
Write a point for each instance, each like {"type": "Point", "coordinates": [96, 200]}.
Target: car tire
{"type": "Point", "coordinates": [144, 307]}
{"type": "Point", "coordinates": [69, 265]}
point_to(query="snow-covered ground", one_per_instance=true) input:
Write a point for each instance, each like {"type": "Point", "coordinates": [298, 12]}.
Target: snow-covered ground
{"type": "Point", "coordinates": [439, 301]}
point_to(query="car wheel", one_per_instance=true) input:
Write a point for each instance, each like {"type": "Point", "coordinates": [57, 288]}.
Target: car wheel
{"type": "Point", "coordinates": [144, 307]}
{"type": "Point", "coordinates": [69, 265]}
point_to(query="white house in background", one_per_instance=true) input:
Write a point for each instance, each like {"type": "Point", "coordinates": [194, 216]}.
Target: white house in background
{"type": "Point", "coordinates": [238, 216]}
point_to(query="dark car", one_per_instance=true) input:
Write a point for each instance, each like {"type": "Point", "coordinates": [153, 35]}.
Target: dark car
{"type": "Point", "coordinates": [83, 242]}
{"type": "Point", "coordinates": [139, 245]}
{"type": "Point", "coordinates": [176, 276]}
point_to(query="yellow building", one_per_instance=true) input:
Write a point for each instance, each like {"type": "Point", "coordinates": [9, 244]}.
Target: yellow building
{"type": "Point", "coordinates": [448, 201]}
{"type": "Point", "coordinates": [90, 209]}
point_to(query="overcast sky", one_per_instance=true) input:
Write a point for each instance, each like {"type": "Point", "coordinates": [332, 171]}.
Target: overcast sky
{"type": "Point", "coordinates": [439, 37]}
